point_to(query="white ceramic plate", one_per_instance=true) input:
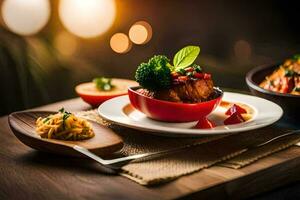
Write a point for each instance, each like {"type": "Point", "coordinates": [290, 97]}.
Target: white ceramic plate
{"type": "Point", "coordinates": [264, 112]}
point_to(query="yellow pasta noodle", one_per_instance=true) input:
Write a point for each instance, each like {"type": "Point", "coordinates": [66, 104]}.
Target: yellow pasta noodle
{"type": "Point", "coordinates": [64, 126]}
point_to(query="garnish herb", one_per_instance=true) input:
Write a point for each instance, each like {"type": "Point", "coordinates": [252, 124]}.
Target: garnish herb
{"type": "Point", "coordinates": [185, 57]}
{"type": "Point", "coordinates": [66, 115]}
{"type": "Point", "coordinates": [296, 57]}
{"type": "Point", "coordinates": [46, 119]}
{"type": "Point", "coordinates": [189, 74]}
{"type": "Point", "coordinates": [156, 73]}
{"type": "Point", "coordinates": [181, 71]}
{"type": "Point", "coordinates": [289, 73]}
{"type": "Point", "coordinates": [197, 68]}
{"type": "Point", "coordinates": [297, 89]}
{"type": "Point", "coordinates": [103, 83]}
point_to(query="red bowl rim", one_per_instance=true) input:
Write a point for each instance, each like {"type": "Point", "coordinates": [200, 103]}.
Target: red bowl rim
{"type": "Point", "coordinates": [133, 89]}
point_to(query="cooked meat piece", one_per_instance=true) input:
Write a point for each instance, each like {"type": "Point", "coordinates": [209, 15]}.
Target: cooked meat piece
{"type": "Point", "coordinates": [167, 95]}
{"type": "Point", "coordinates": [204, 88]}
{"type": "Point", "coordinates": [146, 92]}
{"type": "Point", "coordinates": [190, 91]}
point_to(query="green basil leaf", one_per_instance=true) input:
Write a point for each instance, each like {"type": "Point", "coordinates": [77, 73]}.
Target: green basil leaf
{"type": "Point", "coordinates": [186, 56]}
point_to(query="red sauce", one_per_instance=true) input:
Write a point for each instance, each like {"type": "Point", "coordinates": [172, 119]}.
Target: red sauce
{"type": "Point", "coordinates": [225, 104]}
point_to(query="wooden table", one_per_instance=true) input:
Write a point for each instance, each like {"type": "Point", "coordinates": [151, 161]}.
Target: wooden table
{"type": "Point", "coordinates": [29, 174]}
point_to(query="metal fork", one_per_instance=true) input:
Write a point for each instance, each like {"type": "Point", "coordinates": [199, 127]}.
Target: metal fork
{"type": "Point", "coordinates": [113, 165]}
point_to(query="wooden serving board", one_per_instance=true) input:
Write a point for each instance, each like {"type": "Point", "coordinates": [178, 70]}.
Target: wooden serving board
{"type": "Point", "coordinates": [22, 124]}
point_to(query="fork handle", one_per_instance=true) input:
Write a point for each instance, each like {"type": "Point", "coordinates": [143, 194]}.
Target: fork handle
{"type": "Point", "coordinates": [278, 137]}
{"type": "Point", "coordinates": [108, 162]}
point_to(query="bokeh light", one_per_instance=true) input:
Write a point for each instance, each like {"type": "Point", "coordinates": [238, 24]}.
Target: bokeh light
{"type": "Point", "coordinates": [66, 43]}
{"type": "Point", "coordinates": [120, 43]}
{"type": "Point", "coordinates": [25, 17]}
{"type": "Point", "coordinates": [87, 18]}
{"type": "Point", "coordinates": [140, 32]}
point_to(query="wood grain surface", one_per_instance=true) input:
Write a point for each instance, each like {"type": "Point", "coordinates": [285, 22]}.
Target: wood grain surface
{"type": "Point", "coordinates": [29, 174]}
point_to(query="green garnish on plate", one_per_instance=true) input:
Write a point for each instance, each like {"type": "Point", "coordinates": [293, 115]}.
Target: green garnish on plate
{"type": "Point", "coordinates": [66, 115]}
{"type": "Point", "coordinates": [156, 73]}
{"type": "Point", "coordinates": [296, 57]}
{"type": "Point", "coordinates": [296, 89]}
{"type": "Point", "coordinates": [288, 73]}
{"type": "Point", "coordinates": [103, 84]}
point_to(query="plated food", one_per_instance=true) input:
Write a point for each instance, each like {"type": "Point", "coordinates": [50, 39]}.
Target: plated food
{"type": "Point", "coordinates": [64, 126]}
{"type": "Point", "coordinates": [102, 89]}
{"type": "Point", "coordinates": [275, 89]}
{"type": "Point", "coordinates": [260, 113]}
{"type": "Point", "coordinates": [181, 82]}
{"type": "Point", "coordinates": [102, 141]}
{"type": "Point", "coordinates": [177, 92]}
{"type": "Point", "coordinates": [285, 79]}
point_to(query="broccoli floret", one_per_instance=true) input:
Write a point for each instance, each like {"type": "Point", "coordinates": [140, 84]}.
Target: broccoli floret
{"type": "Point", "coordinates": [159, 61]}
{"type": "Point", "coordinates": [154, 75]}
{"type": "Point", "coordinates": [144, 75]}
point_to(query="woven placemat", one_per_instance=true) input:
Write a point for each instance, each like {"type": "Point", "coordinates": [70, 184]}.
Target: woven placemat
{"type": "Point", "coordinates": [224, 150]}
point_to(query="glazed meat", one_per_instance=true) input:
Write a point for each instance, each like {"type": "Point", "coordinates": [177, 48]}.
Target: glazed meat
{"type": "Point", "coordinates": [190, 91]}
{"type": "Point", "coordinates": [146, 92]}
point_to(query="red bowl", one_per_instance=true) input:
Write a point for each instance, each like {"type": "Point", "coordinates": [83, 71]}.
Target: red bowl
{"type": "Point", "coordinates": [171, 111]}
{"type": "Point", "coordinates": [95, 101]}
{"type": "Point", "coordinates": [90, 94]}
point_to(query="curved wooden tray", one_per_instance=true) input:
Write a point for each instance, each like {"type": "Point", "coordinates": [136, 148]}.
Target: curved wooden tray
{"type": "Point", "coordinates": [22, 124]}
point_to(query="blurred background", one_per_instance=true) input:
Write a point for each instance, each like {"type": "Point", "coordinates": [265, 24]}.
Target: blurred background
{"type": "Point", "coordinates": [49, 46]}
